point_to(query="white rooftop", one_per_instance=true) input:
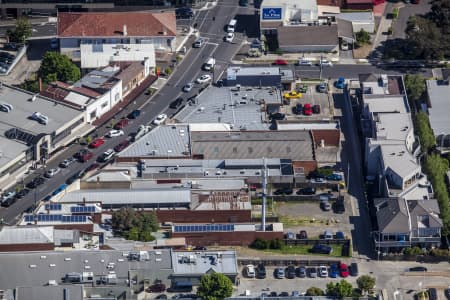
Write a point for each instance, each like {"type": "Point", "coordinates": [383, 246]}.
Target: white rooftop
{"type": "Point", "coordinates": [26, 235]}
{"type": "Point", "coordinates": [386, 104]}
{"type": "Point", "coordinates": [100, 55]}
{"type": "Point", "coordinates": [203, 262]}
{"type": "Point", "coordinates": [439, 96]}
{"type": "Point", "coordinates": [399, 160]}
{"type": "Point", "coordinates": [394, 126]}
{"type": "Point", "coordinates": [362, 16]}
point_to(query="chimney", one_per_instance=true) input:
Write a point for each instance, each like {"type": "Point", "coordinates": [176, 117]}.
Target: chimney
{"type": "Point", "coordinates": [322, 143]}
{"type": "Point", "coordinates": [124, 30]}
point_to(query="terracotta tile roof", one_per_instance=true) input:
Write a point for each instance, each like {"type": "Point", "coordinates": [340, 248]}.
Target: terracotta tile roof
{"type": "Point", "coordinates": [110, 24]}
{"type": "Point", "coordinates": [330, 137]}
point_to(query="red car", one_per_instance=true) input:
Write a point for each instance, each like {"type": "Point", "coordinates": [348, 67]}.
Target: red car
{"type": "Point", "coordinates": [84, 155]}
{"type": "Point", "coordinates": [343, 270]}
{"type": "Point", "coordinates": [307, 109]}
{"type": "Point", "coordinates": [121, 124]}
{"type": "Point", "coordinates": [97, 143]}
{"type": "Point", "coordinates": [280, 62]}
{"type": "Point", "coordinates": [121, 146]}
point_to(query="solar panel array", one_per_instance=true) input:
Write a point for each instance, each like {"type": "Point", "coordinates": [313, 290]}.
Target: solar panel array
{"type": "Point", "coordinates": [56, 218]}
{"type": "Point", "coordinates": [53, 206]}
{"type": "Point", "coordinates": [82, 209]}
{"type": "Point", "coordinates": [204, 228]}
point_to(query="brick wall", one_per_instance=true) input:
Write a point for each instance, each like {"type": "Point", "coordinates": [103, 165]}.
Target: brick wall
{"type": "Point", "coordinates": [26, 247]}
{"type": "Point", "coordinates": [204, 216]}
{"type": "Point", "coordinates": [240, 238]}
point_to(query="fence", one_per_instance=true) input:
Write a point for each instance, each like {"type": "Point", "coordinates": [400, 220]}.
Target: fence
{"type": "Point", "coordinates": [286, 262]}
{"type": "Point", "coordinates": [296, 242]}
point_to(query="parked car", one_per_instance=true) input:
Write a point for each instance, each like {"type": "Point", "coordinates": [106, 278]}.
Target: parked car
{"type": "Point", "coordinates": [354, 269]}
{"type": "Point", "coordinates": [343, 270]}
{"type": "Point", "coordinates": [340, 83]}
{"type": "Point", "coordinates": [344, 45]}
{"type": "Point", "coordinates": [312, 272]}
{"type": "Point", "coordinates": [325, 205]}
{"type": "Point", "coordinates": [121, 124]}
{"type": "Point", "coordinates": [92, 167]}
{"type": "Point", "coordinates": [134, 114]}
{"type": "Point", "coordinates": [304, 62]}
{"type": "Point", "coordinates": [283, 191]}
{"type": "Point", "coordinates": [176, 103]}
{"type": "Point", "coordinates": [321, 249]}
{"type": "Point", "coordinates": [157, 288]}
{"type": "Point", "coordinates": [160, 119]}
{"type": "Point", "coordinates": [322, 87]}
{"type": "Point", "coordinates": [280, 62]}
{"type": "Point", "coordinates": [277, 116]}
{"type": "Point", "coordinates": [316, 109]}
{"type": "Point", "coordinates": [290, 235]}
{"type": "Point", "coordinates": [292, 95]}
{"type": "Point", "coordinates": [121, 146]}
{"type": "Point", "coordinates": [250, 271]}
{"type": "Point", "coordinates": [229, 37]}
{"type": "Point", "coordinates": [334, 177]}
{"type": "Point", "coordinates": [432, 294]}
{"type": "Point", "coordinates": [8, 198]}
{"type": "Point", "coordinates": [204, 78]}
{"type": "Point", "coordinates": [52, 172]}
{"type": "Point", "coordinates": [340, 235]}
{"type": "Point", "coordinates": [105, 156]}
{"type": "Point", "coordinates": [303, 235]}
{"type": "Point", "coordinates": [297, 109]}
{"type": "Point", "coordinates": [84, 155]}
{"type": "Point", "coordinates": [306, 191]}
{"type": "Point", "coordinates": [334, 271]}
{"type": "Point", "coordinates": [307, 109]}
{"type": "Point", "coordinates": [279, 273]}
{"type": "Point", "coordinates": [418, 269]}
{"type": "Point", "coordinates": [114, 133]}
{"type": "Point", "coordinates": [35, 182]}
{"type": "Point", "coordinates": [301, 272]}
{"type": "Point", "coordinates": [283, 294]}
{"type": "Point", "coordinates": [67, 162]}
{"type": "Point", "coordinates": [188, 87]}
{"type": "Point", "coordinates": [97, 143]}
{"type": "Point", "coordinates": [22, 193]}
{"type": "Point", "coordinates": [325, 63]}
{"type": "Point", "coordinates": [328, 235]}
{"type": "Point", "coordinates": [323, 272]}
{"type": "Point", "coordinates": [198, 43]}
{"type": "Point", "coordinates": [290, 272]}
{"type": "Point", "coordinates": [261, 271]}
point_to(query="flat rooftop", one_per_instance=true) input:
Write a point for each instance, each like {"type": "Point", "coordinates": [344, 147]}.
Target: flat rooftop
{"type": "Point", "coordinates": [386, 104]}
{"type": "Point", "coordinates": [166, 141]}
{"type": "Point", "coordinates": [295, 145]}
{"type": "Point", "coordinates": [438, 93]}
{"type": "Point", "coordinates": [394, 126]}
{"type": "Point", "coordinates": [241, 109]}
{"type": "Point", "coordinates": [54, 265]}
{"type": "Point", "coordinates": [189, 262]}
{"type": "Point", "coordinates": [398, 159]}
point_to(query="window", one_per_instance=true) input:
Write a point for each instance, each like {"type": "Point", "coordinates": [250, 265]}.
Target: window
{"type": "Point", "coordinates": [116, 97]}
{"type": "Point", "coordinates": [93, 114]}
{"type": "Point", "coordinates": [104, 104]}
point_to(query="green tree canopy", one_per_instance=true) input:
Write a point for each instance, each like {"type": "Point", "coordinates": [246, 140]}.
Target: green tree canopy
{"type": "Point", "coordinates": [415, 86]}
{"type": "Point", "coordinates": [56, 66]}
{"type": "Point", "coordinates": [362, 37]}
{"type": "Point", "coordinates": [21, 32]}
{"type": "Point", "coordinates": [426, 136]}
{"type": "Point", "coordinates": [339, 289]}
{"type": "Point", "coordinates": [215, 286]}
{"type": "Point", "coordinates": [365, 283]}
{"type": "Point", "coordinates": [135, 225]}
{"type": "Point", "coordinates": [314, 291]}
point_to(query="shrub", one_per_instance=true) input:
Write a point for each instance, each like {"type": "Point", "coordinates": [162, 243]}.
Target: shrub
{"type": "Point", "coordinates": [275, 244]}
{"type": "Point", "coordinates": [395, 12]}
{"type": "Point", "coordinates": [413, 251]}
{"type": "Point", "coordinates": [260, 244]}
{"type": "Point", "coordinates": [279, 51]}
{"type": "Point", "coordinates": [168, 70]}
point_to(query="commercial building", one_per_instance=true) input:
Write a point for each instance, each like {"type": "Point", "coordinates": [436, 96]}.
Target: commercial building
{"type": "Point", "coordinates": [407, 223]}
{"type": "Point", "coordinates": [438, 105]}
{"type": "Point", "coordinates": [360, 20]}
{"type": "Point", "coordinates": [32, 130]}
{"type": "Point", "coordinates": [298, 27]}
{"type": "Point", "coordinates": [99, 91]}
{"type": "Point", "coordinates": [90, 37]}
{"type": "Point", "coordinates": [259, 77]}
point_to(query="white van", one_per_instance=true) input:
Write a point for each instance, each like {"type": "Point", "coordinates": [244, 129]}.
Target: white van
{"type": "Point", "coordinates": [232, 25]}
{"type": "Point", "coordinates": [209, 64]}
{"type": "Point", "coordinates": [250, 271]}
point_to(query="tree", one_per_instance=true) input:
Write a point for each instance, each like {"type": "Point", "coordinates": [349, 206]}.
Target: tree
{"type": "Point", "coordinates": [168, 70]}
{"type": "Point", "coordinates": [314, 291]}
{"type": "Point", "coordinates": [21, 32]}
{"type": "Point", "coordinates": [215, 286]}
{"type": "Point", "coordinates": [415, 86]}
{"type": "Point", "coordinates": [56, 66]}
{"type": "Point", "coordinates": [134, 225]}
{"type": "Point", "coordinates": [365, 283]}
{"type": "Point", "coordinates": [362, 37]}
{"type": "Point", "coordinates": [339, 289]}
{"type": "Point", "coordinates": [426, 136]}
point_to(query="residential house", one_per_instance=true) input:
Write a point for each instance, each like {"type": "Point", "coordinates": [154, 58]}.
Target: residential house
{"type": "Point", "coordinates": [438, 107]}
{"type": "Point", "coordinates": [407, 223]}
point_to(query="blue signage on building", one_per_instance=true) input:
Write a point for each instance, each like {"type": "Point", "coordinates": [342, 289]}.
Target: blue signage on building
{"type": "Point", "coordinates": [271, 13]}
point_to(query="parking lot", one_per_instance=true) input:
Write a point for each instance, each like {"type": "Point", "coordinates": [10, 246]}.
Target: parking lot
{"type": "Point", "coordinates": [310, 96]}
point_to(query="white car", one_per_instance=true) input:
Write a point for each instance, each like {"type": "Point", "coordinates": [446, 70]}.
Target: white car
{"type": "Point", "coordinates": [204, 78]}
{"type": "Point", "coordinates": [160, 119]}
{"type": "Point", "coordinates": [304, 62]}
{"type": "Point", "coordinates": [325, 63]}
{"type": "Point", "coordinates": [188, 87]}
{"type": "Point", "coordinates": [250, 271]}
{"type": "Point", "coordinates": [114, 133]}
{"type": "Point", "coordinates": [323, 272]}
{"type": "Point", "coordinates": [229, 37]}
{"type": "Point", "coordinates": [67, 162]}
{"type": "Point", "coordinates": [107, 155]}
{"type": "Point", "coordinates": [52, 172]}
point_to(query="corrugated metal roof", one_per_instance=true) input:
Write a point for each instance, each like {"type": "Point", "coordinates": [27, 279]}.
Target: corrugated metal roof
{"type": "Point", "coordinates": [438, 93]}
{"type": "Point", "coordinates": [26, 235]}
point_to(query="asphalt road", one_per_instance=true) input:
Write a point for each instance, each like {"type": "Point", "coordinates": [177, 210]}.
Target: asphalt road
{"type": "Point", "coordinates": [210, 24]}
